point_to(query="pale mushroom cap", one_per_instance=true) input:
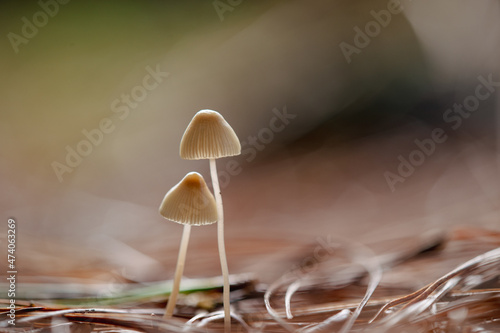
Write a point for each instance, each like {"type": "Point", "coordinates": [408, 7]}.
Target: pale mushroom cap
{"type": "Point", "coordinates": [190, 202]}
{"type": "Point", "coordinates": [208, 135]}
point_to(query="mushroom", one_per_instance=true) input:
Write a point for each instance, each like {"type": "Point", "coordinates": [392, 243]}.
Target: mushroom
{"type": "Point", "coordinates": [209, 136]}
{"type": "Point", "coordinates": [190, 202]}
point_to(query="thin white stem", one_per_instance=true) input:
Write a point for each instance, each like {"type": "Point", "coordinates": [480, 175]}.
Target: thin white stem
{"type": "Point", "coordinates": [222, 247]}
{"type": "Point", "coordinates": [172, 299]}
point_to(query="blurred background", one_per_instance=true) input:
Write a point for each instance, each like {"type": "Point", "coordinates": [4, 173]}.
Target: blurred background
{"type": "Point", "coordinates": [365, 120]}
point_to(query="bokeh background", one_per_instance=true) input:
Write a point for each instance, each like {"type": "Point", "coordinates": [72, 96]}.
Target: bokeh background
{"type": "Point", "coordinates": [70, 68]}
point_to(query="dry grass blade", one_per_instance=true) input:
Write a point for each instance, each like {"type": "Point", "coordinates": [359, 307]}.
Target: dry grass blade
{"type": "Point", "coordinates": [139, 322]}
{"type": "Point", "coordinates": [449, 280]}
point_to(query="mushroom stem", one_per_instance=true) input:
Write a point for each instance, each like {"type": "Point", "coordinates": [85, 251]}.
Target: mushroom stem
{"type": "Point", "coordinates": [222, 247]}
{"type": "Point", "coordinates": [172, 299]}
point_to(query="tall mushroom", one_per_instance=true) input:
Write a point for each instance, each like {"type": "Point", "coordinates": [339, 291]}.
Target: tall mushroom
{"type": "Point", "coordinates": [190, 202]}
{"type": "Point", "coordinates": [209, 136]}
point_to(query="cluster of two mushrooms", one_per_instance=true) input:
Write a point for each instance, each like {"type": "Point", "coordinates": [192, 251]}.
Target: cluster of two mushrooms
{"type": "Point", "coordinates": [208, 136]}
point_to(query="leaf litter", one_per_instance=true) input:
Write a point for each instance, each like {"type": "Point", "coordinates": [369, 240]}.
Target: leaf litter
{"type": "Point", "coordinates": [437, 282]}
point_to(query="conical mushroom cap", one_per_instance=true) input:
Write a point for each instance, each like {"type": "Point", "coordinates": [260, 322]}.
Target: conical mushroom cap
{"type": "Point", "coordinates": [208, 135]}
{"type": "Point", "coordinates": [190, 202]}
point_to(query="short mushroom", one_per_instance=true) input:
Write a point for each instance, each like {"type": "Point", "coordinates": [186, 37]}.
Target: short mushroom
{"type": "Point", "coordinates": [209, 136]}
{"type": "Point", "coordinates": [190, 202]}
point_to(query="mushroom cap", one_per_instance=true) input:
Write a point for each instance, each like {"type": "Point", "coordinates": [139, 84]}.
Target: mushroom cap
{"type": "Point", "coordinates": [208, 135]}
{"type": "Point", "coordinates": [190, 202]}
